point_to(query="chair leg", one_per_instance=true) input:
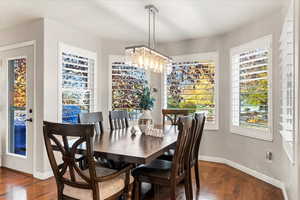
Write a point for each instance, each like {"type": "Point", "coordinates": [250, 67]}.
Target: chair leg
{"type": "Point", "coordinates": [130, 192]}
{"type": "Point", "coordinates": [137, 190]}
{"type": "Point", "coordinates": [172, 191]}
{"type": "Point", "coordinates": [188, 188]}
{"type": "Point", "coordinates": [60, 191]}
{"type": "Point", "coordinates": [196, 168]}
{"type": "Point", "coordinates": [156, 192]}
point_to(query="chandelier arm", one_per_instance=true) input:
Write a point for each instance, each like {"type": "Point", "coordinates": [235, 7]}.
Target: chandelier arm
{"type": "Point", "coordinates": [154, 39]}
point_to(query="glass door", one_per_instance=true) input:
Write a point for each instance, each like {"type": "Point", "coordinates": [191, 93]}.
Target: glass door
{"type": "Point", "coordinates": [17, 79]}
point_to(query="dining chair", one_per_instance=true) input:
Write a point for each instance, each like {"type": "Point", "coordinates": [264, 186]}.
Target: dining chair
{"type": "Point", "coordinates": [200, 118]}
{"type": "Point", "coordinates": [92, 118]}
{"type": "Point", "coordinates": [169, 173]}
{"type": "Point", "coordinates": [200, 122]}
{"type": "Point", "coordinates": [95, 118]}
{"type": "Point", "coordinates": [94, 183]}
{"type": "Point", "coordinates": [173, 114]}
{"type": "Point", "coordinates": [118, 119]}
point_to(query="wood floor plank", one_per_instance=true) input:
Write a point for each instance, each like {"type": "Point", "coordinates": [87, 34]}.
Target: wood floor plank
{"type": "Point", "coordinates": [218, 182]}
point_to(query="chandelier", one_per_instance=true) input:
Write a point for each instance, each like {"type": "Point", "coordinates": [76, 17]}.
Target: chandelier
{"type": "Point", "coordinates": [145, 56]}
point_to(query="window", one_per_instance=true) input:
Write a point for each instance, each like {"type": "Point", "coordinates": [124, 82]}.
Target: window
{"type": "Point", "coordinates": [77, 84]}
{"type": "Point", "coordinates": [287, 114]}
{"type": "Point", "coordinates": [191, 83]}
{"type": "Point", "coordinates": [127, 84]}
{"type": "Point", "coordinates": [251, 89]}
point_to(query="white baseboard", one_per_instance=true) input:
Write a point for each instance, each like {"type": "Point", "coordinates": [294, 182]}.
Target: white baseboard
{"type": "Point", "coordinates": [43, 175]}
{"type": "Point", "coordinates": [256, 174]}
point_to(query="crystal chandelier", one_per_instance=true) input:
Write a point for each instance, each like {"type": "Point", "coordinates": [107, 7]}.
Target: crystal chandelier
{"type": "Point", "coordinates": [145, 56]}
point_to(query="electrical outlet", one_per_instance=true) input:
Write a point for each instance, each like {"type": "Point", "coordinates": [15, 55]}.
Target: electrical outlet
{"type": "Point", "coordinates": [269, 156]}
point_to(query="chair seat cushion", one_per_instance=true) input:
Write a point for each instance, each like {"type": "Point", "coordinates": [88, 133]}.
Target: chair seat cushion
{"type": "Point", "coordinates": [106, 188]}
{"type": "Point", "coordinates": [156, 169]}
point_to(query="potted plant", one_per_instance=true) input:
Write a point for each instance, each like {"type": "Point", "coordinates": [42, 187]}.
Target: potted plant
{"type": "Point", "coordinates": [146, 104]}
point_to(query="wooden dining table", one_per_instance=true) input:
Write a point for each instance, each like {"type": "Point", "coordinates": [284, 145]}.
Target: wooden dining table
{"type": "Point", "coordinates": [122, 146]}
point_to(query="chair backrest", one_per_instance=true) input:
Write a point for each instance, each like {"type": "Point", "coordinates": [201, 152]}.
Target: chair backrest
{"type": "Point", "coordinates": [198, 132]}
{"type": "Point", "coordinates": [182, 151]}
{"type": "Point", "coordinates": [118, 119]}
{"type": "Point", "coordinates": [92, 118]}
{"type": "Point", "coordinates": [65, 139]}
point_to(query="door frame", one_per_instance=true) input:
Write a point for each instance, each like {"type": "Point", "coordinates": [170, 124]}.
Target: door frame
{"type": "Point", "coordinates": [15, 46]}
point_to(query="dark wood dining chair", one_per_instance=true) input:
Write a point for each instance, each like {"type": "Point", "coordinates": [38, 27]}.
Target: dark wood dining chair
{"type": "Point", "coordinates": [173, 114]}
{"type": "Point", "coordinates": [94, 183]}
{"type": "Point", "coordinates": [169, 173]}
{"type": "Point", "coordinates": [92, 118]}
{"type": "Point", "coordinates": [118, 119]}
{"type": "Point", "coordinates": [200, 122]}
{"type": "Point", "coordinates": [200, 119]}
{"type": "Point", "coordinates": [95, 118]}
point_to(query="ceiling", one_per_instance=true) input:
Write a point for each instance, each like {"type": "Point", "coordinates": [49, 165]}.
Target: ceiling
{"type": "Point", "coordinates": [127, 19]}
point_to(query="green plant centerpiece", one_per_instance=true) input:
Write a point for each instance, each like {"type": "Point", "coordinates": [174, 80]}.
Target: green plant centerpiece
{"type": "Point", "coordinates": [146, 105]}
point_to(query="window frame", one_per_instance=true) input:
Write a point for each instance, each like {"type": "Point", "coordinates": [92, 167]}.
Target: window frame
{"type": "Point", "coordinates": [62, 47]}
{"type": "Point", "coordinates": [263, 42]}
{"type": "Point", "coordinates": [289, 23]}
{"type": "Point", "coordinates": [112, 59]}
{"type": "Point", "coordinates": [214, 56]}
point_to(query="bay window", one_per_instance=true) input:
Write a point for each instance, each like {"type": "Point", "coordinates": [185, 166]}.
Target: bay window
{"type": "Point", "coordinates": [191, 83]}
{"type": "Point", "coordinates": [251, 106]}
{"type": "Point", "coordinates": [127, 84]}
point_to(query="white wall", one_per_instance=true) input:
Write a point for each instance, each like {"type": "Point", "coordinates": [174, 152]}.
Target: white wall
{"type": "Point", "coordinates": [221, 143]}
{"type": "Point", "coordinates": [22, 33]}
{"type": "Point", "coordinates": [253, 151]}
{"type": "Point", "coordinates": [54, 34]}
{"type": "Point", "coordinates": [246, 151]}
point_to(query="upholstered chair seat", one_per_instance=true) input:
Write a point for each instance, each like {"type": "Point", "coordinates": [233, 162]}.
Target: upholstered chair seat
{"type": "Point", "coordinates": [157, 169]}
{"type": "Point", "coordinates": [93, 182]}
{"type": "Point", "coordinates": [107, 188]}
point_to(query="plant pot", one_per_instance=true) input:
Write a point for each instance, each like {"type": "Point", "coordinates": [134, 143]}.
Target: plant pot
{"type": "Point", "coordinates": [145, 120]}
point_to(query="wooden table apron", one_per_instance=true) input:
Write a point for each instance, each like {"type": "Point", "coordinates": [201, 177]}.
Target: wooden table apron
{"type": "Point", "coordinates": [120, 145]}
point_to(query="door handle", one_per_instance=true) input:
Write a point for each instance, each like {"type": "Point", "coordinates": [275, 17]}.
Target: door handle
{"type": "Point", "coordinates": [28, 120]}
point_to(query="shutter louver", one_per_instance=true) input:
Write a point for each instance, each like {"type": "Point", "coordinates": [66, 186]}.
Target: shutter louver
{"type": "Point", "coordinates": [250, 87]}
{"type": "Point", "coordinates": [128, 83]}
{"type": "Point", "coordinates": [190, 84]}
{"type": "Point", "coordinates": [287, 114]}
{"type": "Point", "coordinates": [77, 85]}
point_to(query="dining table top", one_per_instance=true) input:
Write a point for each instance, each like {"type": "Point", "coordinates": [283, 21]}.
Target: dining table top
{"type": "Point", "coordinates": [122, 146]}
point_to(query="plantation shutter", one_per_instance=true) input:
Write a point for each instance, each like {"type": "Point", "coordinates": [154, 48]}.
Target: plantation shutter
{"type": "Point", "coordinates": [250, 73]}
{"type": "Point", "coordinates": [77, 85]}
{"type": "Point", "coordinates": [287, 117]}
{"type": "Point", "coordinates": [128, 83]}
{"type": "Point", "coordinates": [191, 84]}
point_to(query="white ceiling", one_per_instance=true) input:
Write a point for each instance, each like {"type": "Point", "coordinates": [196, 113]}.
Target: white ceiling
{"type": "Point", "coordinates": [127, 19]}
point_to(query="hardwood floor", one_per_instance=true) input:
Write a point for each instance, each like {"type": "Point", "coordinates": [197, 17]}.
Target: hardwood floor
{"type": "Point", "coordinates": [218, 182]}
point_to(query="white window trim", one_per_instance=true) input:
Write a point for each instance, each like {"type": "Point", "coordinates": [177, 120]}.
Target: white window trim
{"type": "Point", "coordinates": [62, 47]}
{"type": "Point", "coordinates": [264, 42]}
{"type": "Point", "coordinates": [288, 145]}
{"type": "Point", "coordinates": [199, 56]}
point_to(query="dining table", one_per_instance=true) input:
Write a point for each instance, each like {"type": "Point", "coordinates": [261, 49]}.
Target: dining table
{"type": "Point", "coordinates": [122, 145]}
